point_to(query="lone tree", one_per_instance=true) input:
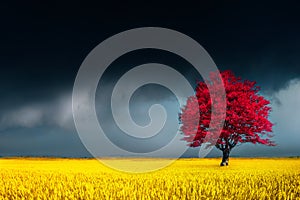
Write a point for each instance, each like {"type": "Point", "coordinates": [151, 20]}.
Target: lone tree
{"type": "Point", "coordinates": [246, 115]}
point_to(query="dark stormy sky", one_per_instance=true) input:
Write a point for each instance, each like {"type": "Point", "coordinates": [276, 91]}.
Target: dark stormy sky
{"type": "Point", "coordinates": [42, 46]}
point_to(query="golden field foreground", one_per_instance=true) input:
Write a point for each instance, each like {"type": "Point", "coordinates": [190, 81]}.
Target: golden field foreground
{"type": "Point", "coordinates": [41, 178]}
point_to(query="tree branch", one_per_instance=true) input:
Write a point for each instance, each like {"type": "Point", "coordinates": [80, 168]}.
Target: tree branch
{"type": "Point", "coordinates": [220, 146]}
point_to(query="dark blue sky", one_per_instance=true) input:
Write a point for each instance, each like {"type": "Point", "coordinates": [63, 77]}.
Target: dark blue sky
{"type": "Point", "coordinates": [44, 43]}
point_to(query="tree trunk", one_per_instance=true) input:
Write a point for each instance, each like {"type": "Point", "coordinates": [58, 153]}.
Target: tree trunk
{"type": "Point", "coordinates": [225, 158]}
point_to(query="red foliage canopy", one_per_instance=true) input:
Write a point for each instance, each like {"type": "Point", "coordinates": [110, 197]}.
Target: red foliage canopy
{"type": "Point", "coordinates": [246, 113]}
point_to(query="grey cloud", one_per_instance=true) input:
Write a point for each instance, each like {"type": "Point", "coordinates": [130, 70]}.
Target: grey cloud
{"type": "Point", "coordinates": [54, 112]}
{"type": "Point", "coordinates": [286, 115]}
{"type": "Point", "coordinates": [27, 116]}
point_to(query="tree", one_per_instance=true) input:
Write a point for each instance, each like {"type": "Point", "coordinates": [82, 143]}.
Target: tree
{"type": "Point", "coordinates": [246, 115]}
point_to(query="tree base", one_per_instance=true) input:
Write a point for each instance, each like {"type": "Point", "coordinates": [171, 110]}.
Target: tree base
{"type": "Point", "coordinates": [224, 164]}
{"type": "Point", "coordinates": [225, 158]}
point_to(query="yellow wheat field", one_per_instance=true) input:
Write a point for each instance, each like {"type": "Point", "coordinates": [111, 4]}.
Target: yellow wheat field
{"type": "Point", "coordinates": [185, 179]}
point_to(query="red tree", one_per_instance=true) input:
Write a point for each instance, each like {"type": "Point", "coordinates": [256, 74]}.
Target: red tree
{"type": "Point", "coordinates": [246, 115]}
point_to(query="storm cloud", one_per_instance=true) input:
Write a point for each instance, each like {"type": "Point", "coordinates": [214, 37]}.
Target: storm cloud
{"type": "Point", "coordinates": [43, 46]}
{"type": "Point", "coordinates": [54, 112]}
